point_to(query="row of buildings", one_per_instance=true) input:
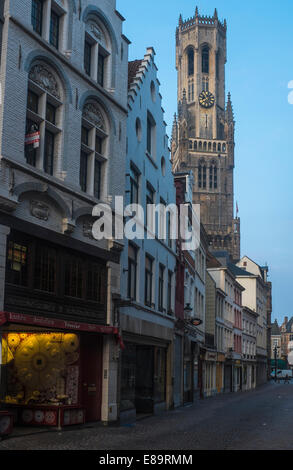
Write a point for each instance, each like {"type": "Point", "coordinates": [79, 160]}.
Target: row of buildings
{"type": "Point", "coordinates": [109, 329]}
{"type": "Point", "coordinates": [282, 344]}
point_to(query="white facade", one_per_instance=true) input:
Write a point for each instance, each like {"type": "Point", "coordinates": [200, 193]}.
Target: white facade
{"type": "Point", "coordinates": [45, 85]}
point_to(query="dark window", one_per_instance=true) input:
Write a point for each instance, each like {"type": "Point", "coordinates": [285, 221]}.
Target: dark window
{"type": "Point", "coordinates": [161, 288]}
{"type": "Point", "coordinates": [149, 199]}
{"type": "Point", "coordinates": [101, 67]}
{"type": "Point", "coordinates": [17, 263]}
{"type": "Point", "coordinates": [73, 277]}
{"type": "Point", "coordinates": [84, 135]}
{"type": "Point", "coordinates": [132, 271]}
{"type": "Point", "coordinates": [204, 177]}
{"type": "Point", "coordinates": [51, 113]}
{"type": "Point", "coordinates": [37, 15]}
{"type": "Point", "coordinates": [148, 281]}
{"type": "Point", "coordinates": [83, 171]}
{"type": "Point", "coordinates": [54, 29]}
{"type": "Point", "coordinates": [205, 60]}
{"type": "Point", "coordinates": [149, 135]}
{"type": "Point", "coordinates": [96, 283]}
{"type": "Point", "coordinates": [134, 184]}
{"type": "Point", "coordinates": [32, 101]}
{"type": "Point", "coordinates": [29, 150]}
{"type": "Point", "coordinates": [45, 269]}
{"type": "Point", "coordinates": [97, 179]}
{"type": "Point", "coordinates": [87, 57]}
{"type": "Point", "coordinates": [99, 144]}
{"type": "Point", "coordinates": [200, 176]}
{"type": "Point", "coordinates": [169, 296]}
{"type": "Point", "coordinates": [190, 62]}
{"type": "Point", "coordinates": [49, 153]}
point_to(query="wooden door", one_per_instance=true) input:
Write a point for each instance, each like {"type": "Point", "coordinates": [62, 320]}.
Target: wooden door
{"type": "Point", "coordinates": [91, 376]}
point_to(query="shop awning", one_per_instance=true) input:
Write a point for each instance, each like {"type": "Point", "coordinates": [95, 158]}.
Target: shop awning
{"type": "Point", "coordinates": [20, 318]}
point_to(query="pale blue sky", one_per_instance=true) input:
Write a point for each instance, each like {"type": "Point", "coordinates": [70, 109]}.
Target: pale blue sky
{"type": "Point", "coordinates": [259, 67]}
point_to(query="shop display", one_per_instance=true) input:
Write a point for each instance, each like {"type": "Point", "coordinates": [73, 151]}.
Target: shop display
{"type": "Point", "coordinates": [42, 369]}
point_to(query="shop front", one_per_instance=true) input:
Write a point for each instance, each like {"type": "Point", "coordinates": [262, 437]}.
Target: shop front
{"type": "Point", "coordinates": [143, 379]}
{"type": "Point", "coordinates": [51, 371]}
{"type": "Point", "coordinates": [220, 373]}
{"type": "Point", "coordinates": [228, 376]}
{"type": "Point", "coordinates": [210, 374]}
{"type": "Point", "coordinates": [237, 376]}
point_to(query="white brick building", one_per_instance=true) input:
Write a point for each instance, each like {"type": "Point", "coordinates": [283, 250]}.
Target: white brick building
{"type": "Point", "coordinates": [63, 83]}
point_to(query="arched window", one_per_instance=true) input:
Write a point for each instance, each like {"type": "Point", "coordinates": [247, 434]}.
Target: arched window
{"type": "Point", "coordinates": [190, 55]}
{"type": "Point", "coordinates": [206, 60]}
{"type": "Point", "coordinates": [195, 145]}
{"type": "Point", "coordinates": [214, 147]}
{"type": "Point", "coordinates": [202, 175]}
{"type": "Point", "coordinates": [213, 176]}
{"type": "Point", "coordinates": [190, 90]}
{"type": "Point", "coordinates": [43, 137]}
{"type": "Point", "coordinates": [97, 51]}
{"type": "Point", "coordinates": [94, 149]}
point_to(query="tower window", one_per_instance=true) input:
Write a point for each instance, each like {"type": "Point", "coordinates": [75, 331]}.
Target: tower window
{"type": "Point", "coordinates": [205, 60]}
{"type": "Point", "coordinates": [190, 62]}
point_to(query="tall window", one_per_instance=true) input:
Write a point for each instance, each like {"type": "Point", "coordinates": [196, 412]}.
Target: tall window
{"type": "Point", "coordinates": [161, 288]}
{"type": "Point", "coordinates": [206, 60]}
{"type": "Point", "coordinates": [190, 62]}
{"type": "Point", "coordinates": [83, 171]}
{"type": "Point", "coordinates": [169, 294]}
{"type": "Point", "coordinates": [45, 269]}
{"type": "Point", "coordinates": [87, 57]}
{"type": "Point", "coordinates": [150, 199]}
{"type": "Point", "coordinates": [49, 153]}
{"type": "Point", "coordinates": [213, 177]}
{"type": "Point", "coordinates": [148, 281]}
{"type": "Point", "coordinates": [54, 29]}
{"type": "Point", "coordinates": [97, 51]}
{"type": "Point", "coordinates": [43, 118]}
{"type": "Point", "coordinates": [17, 263]}
{"type": "Point", "coordinates": [202, 176]}
{"type": "Point", "coordinates": [101, 67]}
{"type": "Point", "coordinates": [37, 15]}
{"type": "Point", "coordinates": [132, 271]}
{"type": "Point", "coordinates": [151, 135]}
{"type": "Point", "coordinates": [74, 277]}
{"type": "Point", "coordinates": [134, 185]}
{"type": "Point", "coordinates": [93, 150]}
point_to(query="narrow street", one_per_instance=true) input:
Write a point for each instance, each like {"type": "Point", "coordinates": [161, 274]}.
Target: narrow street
{"type": "Point", "coordinates": [261, 419]}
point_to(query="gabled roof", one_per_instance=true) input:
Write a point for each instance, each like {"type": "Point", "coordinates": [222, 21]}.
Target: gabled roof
{"type": "Point", "coordinates": [289, 326]}
{"type": "Point", "coordinates": [238, 271]}
{"type": "Point", "coordinates": [275, 331]}
{"type": "Point", "coordinates": [133, 67]}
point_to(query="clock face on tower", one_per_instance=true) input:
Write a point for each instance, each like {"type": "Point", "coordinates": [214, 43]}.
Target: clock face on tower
{"type": "Point", "coordinates": [206, 99]}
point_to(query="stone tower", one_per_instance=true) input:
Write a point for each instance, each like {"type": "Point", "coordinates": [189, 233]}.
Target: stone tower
{"type": "Point", "coordinates": [203, 130]}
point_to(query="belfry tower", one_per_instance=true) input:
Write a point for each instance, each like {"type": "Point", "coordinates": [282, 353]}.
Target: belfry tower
{"type": "Point", "coordinates": [203, 130]}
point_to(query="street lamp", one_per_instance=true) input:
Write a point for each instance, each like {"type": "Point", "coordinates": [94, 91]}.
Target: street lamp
{"type": "Point", "coordinates": [193, 321]}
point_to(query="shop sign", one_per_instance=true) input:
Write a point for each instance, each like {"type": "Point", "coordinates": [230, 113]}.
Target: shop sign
{"type": "Point", "coordinates": [211, 356]}
{"type": "Point", "coordinates": [6, 317]}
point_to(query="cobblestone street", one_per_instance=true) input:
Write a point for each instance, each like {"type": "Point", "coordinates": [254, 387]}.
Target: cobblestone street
{"type": "Point", "coordinates": [261, 419]}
